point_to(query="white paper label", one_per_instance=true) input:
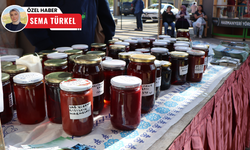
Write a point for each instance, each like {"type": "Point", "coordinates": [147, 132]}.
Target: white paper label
{"type": "Point", "coordinates": [199, 69]}
{"type": "Point", "coordinates": [148, 89]}
{"type": "Point", "coordinates": [206, 61]}
{"type": "Point", "coordinates": [98, 89]}
{"type": "Point", "coordinates": [158, 82]}
{"type": "Point", "coordinates": [10, 100]}
{"type": "Point", "coordinates": [80, 111]}
{"type": "Point", "coordinates": [183, 70]}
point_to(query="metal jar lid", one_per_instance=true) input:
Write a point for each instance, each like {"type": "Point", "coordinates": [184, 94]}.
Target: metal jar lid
{"type": "Point", "coordinates": [183, 30]}
{"type": "Point", "coordinates": [196, 52]}
{"type": "Point", "coordinates": [72, 57]}
{"type": "Point", "coordinates": [98, 45]}
{"type": "Point", "coordinates": [97, 53]}
{"type": "Point", "coordinates": [5, 77]}
{"type": "Point", "coordinates": [15, 69]}
{"type": "Point", "coordinates": [73, 52]}
{"type": "Point", "coordinates": [55, 62]}
{"type": "Point", "coordinates": [46, 52]}
{"type": "Point", "coordinates": [165, 64]}
{"type": "Point", "coordinates": [80, 46]}
{"type": "Point", "coordinates": [182, 39]}
{"type": "Point", "coordinates": [176, 54]}
{"type": "Point", "coordinates": [142, 58]}
{"type": "Point", "coordinates": [113, 41]}
{"type": "Point", "coordinates": [57, 77]}
{"type": "Point", "coordinates": [117, 47]}
{"type": "Point", "coordinates": [88, 59]}
{"type": "Point", "coordinates": [76, 85]}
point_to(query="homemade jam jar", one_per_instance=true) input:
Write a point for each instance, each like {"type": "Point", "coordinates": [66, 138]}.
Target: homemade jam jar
{"type": "Point", "coordinates": [7, 113]}
{"type": "Point", "coordinates": [83, 47]}
{"type": "Point", "coordinates": [144, 44]}
{"type": "Point", "coordinates": [77, 106]}
{"type": "Point", "coordinates": [98, 47]}
{"type": "Point", "coordinates": [52, 82]}
{"type": "Point", "coordinates": [143, 66]}
{"type": "Point", "coordinates": [160, 44]}
{"type": "Point", "coordinates": [133, 44]}
{"type": "Point", "coordinates": [179, 67]}
{"type": "Point", "coordinates": [55, 65]}
{"type": "Point", "coordinates": [158, 79]}
{"type": "Point", "coordinates": [125, 106]}
{"type": "Point", "coordinates": [182, 49]}
{"type": "Point", "coordinates": [111, 68]}
{"type": "Point", "coordinates": [97, 53]}
{"type": "Point", "coordinates": [165, 75]}
{"type": "Point", "coordinates": [195, 65]}
{"type": "Point", "coordinates": [57, 56]}
{"type": "Point", "coordinates": [160, 53]}
{"type": "Point", "coordinates": [183, 33]}
{"type": "Point", "coordinates": [164, 36]}
{"type": "Point", "coordinates": [204, 48]}
{"type": "Point", "coordinates": [112, 42]}
{"type": "Point", "coordinates": [89, 67]}
{"type": "Point", "coordinates": [143, 50]}
{"type": "Point", "coordinates": [182, 39]}
{"type": "Point", "coordinates": [11, 58]}
{"type": "Point", "coordinates": [152, 39]}
{"type": "Point", "coordinates": [125, 57]}
{"type": "Point", "coordinates": [71, 62]}
{"type": "Point", "coordinates": [5, 63]}
{"type": "Point", "coordinates": [171, 44]}
{"type": "Point", "coordinates": [30, 97]}
{"type": "Point", "coordinates": [114, 50]}
{"type": "Point", "coordinates": [44, 54]}
{"type": "Point", "coordinates": [63, 49]}
{"type": "Point", "coordinates": [126, 44]}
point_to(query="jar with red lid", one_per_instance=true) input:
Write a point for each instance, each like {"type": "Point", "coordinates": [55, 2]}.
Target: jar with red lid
{"type": "Point", "coordinates": [97, 53]}
{"type": "Point", "coordinates": [183, 33]}
{"type": "Point", "coordinates": [164, 36]}
{"type": "Point", "coordinates": [204, 48]}
{"type": "Point", "coordinates": [11, 58]}
{"type": "Point", "coordinates": [52, 82]}
{"type": "Point", "coordinates": [71, 62]}
{"type": "Point", "coordinates": [114, 50]}
{"type": "Point", "coordinates": [30, 97]}
{"type": "Point", "coordinates": [160, 44]}
{"type": "Point", "coordinates": [7, 113]}
{"type": "Point", "coordinates": [126, 44]}
{"type": "Point", "coordinates": [171, 44]}
{"type": "Point", "coordinates": [179, 67]}
{"type": "Point", "coordinates": [111, 68]}
{"type": "Point", "coordinates": [133, 44]}
{"type": "Point", "coordinates": [143, 66]}
{"type": "Point", "coordinates": [158, 79]}
{"type": "Point", "coordinates": [143, 50]}
{"type": "Point", "coordinates": [77, 106]}
{"type": "Point", "coordinates": [89, 67]}
{"type": "Point", "coordinates": [57, 56]}
{"type": "Point", "coordinates": [144, 44]}
{"type": "Point", "coordinates": [55, 65]}
{"type": "Point", "coordinates": [98, 47]}
{"type": "Point", "coordinates": [166, 73]}
{"type": "Point", "coordinates": [44, 54]}
{"type": "Point", "coordinates": [83, 47]}
{"type": "Point", "coordinates": [152, 39]}
{"type": "Point", "coordinates": [160, 53]}
{"type": "Point", "coordinates": [125, 106]}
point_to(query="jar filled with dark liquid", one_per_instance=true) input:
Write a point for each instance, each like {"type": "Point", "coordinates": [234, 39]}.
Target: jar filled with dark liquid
{"type": "Point", "coordinates": [160, 53]}
{"type": "Point", "coordinates": [98, 47]}
{"type": "Point", "coordinates": [63, 49]}
{"type": "Point", "coordinates": [133, 44]}
{"type": "Point", "coordinates": [55, 65]}
{"type": "Point", "coordinates": [204, 48]}
{"type": "Point", "coordinates": [97, 53]}
{"type": "Point", "coordinates": [158, 78]}
{"type": "Point", "coordinates": [144, 44]}
{"type": "Point", "coordinates": [83, 47]}
{"type": "Point", "coordinates": [152, 39]}
{"type": "Point", "coordinates": [114, 50]}
{"type": "Point", "coordinates": [44, 54]}
{"type": "Point", "coordinates": [11, 58]}
{"type": "Point", "coordinates": [71, 62]}
{"type": "Point", "coordinates": [171, 44]}
{"type": "Point", "coordinates": [126, 44]}
{"type": "Point", "coordinates": [166, 73]}
{"type": "Point", "coordinates": [183, 33]}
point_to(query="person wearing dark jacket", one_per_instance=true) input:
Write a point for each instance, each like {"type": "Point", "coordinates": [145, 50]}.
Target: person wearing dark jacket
{"type": "Point", "coordinates": [168, 19]}
{"type": "Point", "coordinates": [139, 6]}
{"type": "Point", "coordinates": [15, 24]}
{"type": "Point", "coordinates": [89, 9]}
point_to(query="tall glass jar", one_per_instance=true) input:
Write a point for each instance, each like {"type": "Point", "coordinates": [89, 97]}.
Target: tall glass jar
{"type": "Point", "coordinates": [183, 33]}
{"type": "Point", "coordinates": [166, 73]}
{"type": "Point", "coordinates": [5, 63]}
{"type": "Point", "coordinates": [133, 44]}
{"type": "Point", "coordinates": [83, 47]}
{"type": "Point", "coordinates": [160, 53]}
{"type": "Point", "coordinates": [158, 78]}
{"type": "Point", "coordinates": [63, 49]}
{"type": "Point", "coordinates": [44, 54]}
{"type": "Point", "coordinates": [77, 106]}
{"type": "Point", "coordinates": [126, 44]}
{"type": "Point", "coordinates": [52, 82]}
{"type": "Point", "coordinates": [55, 65]}
{"type": "Point", "coordinates": [89, 67]}
{"type": "Point", "coordinates": [97, 53]}
{"type": "Point", "coordinates": [204, 48]}
{"type": "Point", "coordinates": [114, 50]}
{"type": "Point", "coordinates": [30, 97]}
{"type": "Point", "coordinates": [143, 66]}
{"type": "Point", "coordinates": [11, 58]}
{"type": "Point", "coordinates": [125, 107]}
{"type": "Point", "coordinates": [98, 47]}
{"type": "Point", "coordinates": [144, 44]}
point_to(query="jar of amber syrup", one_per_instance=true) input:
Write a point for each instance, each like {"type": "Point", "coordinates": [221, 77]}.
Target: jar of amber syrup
{"type": "Point", "coordinates": [125, 106]}
{"type": "Point", "coordinates": [126, 44]}
{"type": "Point", "coordinates": [98, 47]}
{"type": "Point", "coordinates": [144, 44]}
{"type": "Point", "coordinates": [143, 66]}
{"type": "Point", "coordinates": [11, 58]}
{"type": "Point", "coordinates": [133, 44]}
{"type": "Point", "coordinates": [52, 81]}
{"type": "Point", "coordinates": [77, 106]}
{"type": "Point", "coordinates": [83, 47]}
{"type": "Point", "coordinates": [114, 50]}
{"type": "Point", "coordinates": [158, 79]}
{"type": "Point", "coordinates": [183, 33]}
{"type": "Point", "coordinates": [5, 63]}
{"type": "Point", "coordinates": [204, 48]}
{"type": "Point", "coordinates": [30, 97]}
{"type": "Point", "coordinates": [160, 53]}
{"type": "Point", "coordinates": [44, 54]}
{"type": "Point", "coordinates": [55, 65]}
{"type": "Point", "coordinates": [166, 73]}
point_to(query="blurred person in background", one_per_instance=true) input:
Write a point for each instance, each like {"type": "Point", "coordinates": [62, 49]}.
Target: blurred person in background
{"type": "Point", "coordinates": [168, 19]}
{"type": "Point", "coordinates": [199, 23]}
{"type": "Point", "coordinates": [182, 19]}
{"type": "Point", "coordinates": [193, 8]}
{"type": "Point", "coordinates": [138, 6]}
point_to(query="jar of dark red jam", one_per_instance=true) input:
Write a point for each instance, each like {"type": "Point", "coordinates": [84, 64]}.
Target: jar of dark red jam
{"type": "Point", "coordinates": [5, 63]}
{"type": "Point", "coordinates": [63, 49]}
{"type": "Point", "coordinates": [179, 67]}
{"type": "Point", "coordinates": [97, 53]}
{"type": "Point", "coordinates": [55, 65]}
{"type": "Point", "coordinates": [89, 67]}
{"type": "Point", "coordinates": [125, 106]}
{"type": "Point", "coordinates": [183, 33]}
{"type": "Point", "coordinates": [98, 47]}
{"type": "Point", "coordinates": [52, 82]}
{"type": "Point", "coordinates": [143, 66]}
{"type": "Point", "coordinates": [182, 39]}
{"type": "Point", "coordinates": [143, 50]}
{"type": "Point", "coordinates": [7, 113]}
{"type": "Point", "coordinates": [164, 36]}
{"type": "Point", "coordinates": [83, 47]}
{"type": "Point", "coordinates": [126, 44]}
{"type": "Point", "coordinates": [204, 48]}
{"type": "Point", "coordinates": [77, 106]}
{"type": "Point", "coordinates": [71, 62]}
{"type": "Point", "coordinates": [160, 53]}
{"type": "Point", "coordinates": [165, 75]}
{"type": "Point", "coordinates": [30, 97]}
{"type": "Point", "coordinates": [158, 79]}
{"type": "Point", "coordinates": [144, 44]}
{"type": "Point", "coordinates": [133, 44]}
{"type": "Point", "coordinates": [44, 54]}
{"type": "Point", "coordinates": [195, 65]}
{"type": "Point", "coordinates": [171, 44]}
{"type": "Point", "coordinates": [11, 58]}
{"type": "Point", "coordinates": [57, 56]}
{"type": "Point", "coordinates": [160, 44]}
{"type": "Point", "coordinates": [152, 39]}
{"type": "Point", "coordinates": [114, 50]}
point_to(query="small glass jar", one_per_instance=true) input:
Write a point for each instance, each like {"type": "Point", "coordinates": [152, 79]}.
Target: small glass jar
{"type": "Point", "coordinates": [114, 50]}
{"type": "Point", "coordinates": [30, 97]}
{"type": "Point", "coordinates": [83, 47]}
{"type": "Point", "coordinates": [166, 73]}
{"type": "Point", "coordinates": [125, 107]}
{"type": "Point", "coordinates": [143, 66]}
{"type": "Point", "coordinates": [89, 67]}
{"type": "Point", "coordinates": [179, 67]}
{"type": "Point", "coordinates": [98, 47]}
{"type": "Point", "coordinates": [126, 44]}
{"type": "Point", "coordinates": [133, 44]}
{"type": "Point", "coordinates": [152, 39]}
{"type": "Point", "coordinates": [182, 49]}
{"type": "Point", "coordinates": [52, 82]}
{"type": "Point", "coordinates": [55, 65]}
{"type": "Point", "coordinates": [11, 58]}
{"type": "Point", "coordinates": [195, 65]}
{"type": "Point", "coordinates": [77, 106]}
{"type": "Point", "coordinates": [164, 36]}
{"type": "Point", "coordinates": [5, 63]}
{"type": "Point", "coordinates": [158, 79]}
{"type": "Point", "coordinates": [160, 53]}
{"type": "Point", "coordinates": [63, 49]}
{"type": "Point", "coordinates": [144, 44]}
{"type": "Point", "coordinates": [57, 56]}
{"type": "Point", "coordinates": [71, 62]}
{"type": "Point", "coordinates": [204, 48]}
{"type": "Point", "coordinates": [7, 113]}
{"type": "Point", "coordinates": [182, 39]}
{"type": "Point", "coordinates": [171, 44]}
{"type": "Point", "coordinates": [183, 33]}
{"type": "Point", "coordinates": [160, 44]}
{"type": "Point", "coordinates": [44, 54]}
{"type": "Point", "coordinates": [143, 50]}
{"type": "Point", "coordinates": [97, 53]}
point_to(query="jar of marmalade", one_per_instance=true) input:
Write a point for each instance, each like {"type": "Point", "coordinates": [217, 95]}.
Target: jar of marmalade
{"type": "Point", "coordinates": [98, 47]}
{"type": "Point", "coordinates": [158, 78]}
{"type": "Point", "coordinates": [5, 63]}
{"type": "Point", "coordinates": [111, 68]}
{"type": "Point", "coordinates": [63, 49]}
{"type": "Point", "coordinates": [152, 39]}
{"type": "Point", "coordinates": [143, 66]}
{"type": "Point", "coordinates": [171, 44]}
{"type": "Point", "coordinates": [165, 75]}
{"type": "Point", "coordinates": [44, 54]}
{"type": "Point", "coordinates": [57, 56]}
{"type": "Point", "coordinates": [83, 47]}
{"type": "Point", "coordinates": [52, 82]}
{"type": "Point", "coordinates": [160, 53]}
{"type": "Point", "coordinates": [11, 58]}
{"type": "Point", "coordinates": [55, 65]}
{"type": "Point", "coordinates": [126, 44]}
{"type": "Point", "coordinates": [97, 53]}
{"type": "Point", "coordinates": [179, 67]}
{"type": "Point", "coordinates": [195, 65]}
{"type": "Point", "coordinates": [143, 50]}
{"type": "Point", "coordinates": [164, 36]}
{"type": "Point", "coordinates": [77, 106]}
{"type": "Point", "coordinates": [114, 50]}
{"type": "Point", "coordinates": [204, 48]}
{"type": "Point", "coordinates": [7, 113]}
{"type": "Point", "coordinates": [30, 97]}
{"type": "Point", "coordinates": [183, 33]}
{"type": "Point", "coordinates": [89, 67]}
{"type": "Point", "coordinates": [133, 44]}
{"type": "Point", "coordinates": [125, 106]}
{"type": "Point", "coordinates": [144, 44]}
{"type": "Point", "coordinates": [71, 62]}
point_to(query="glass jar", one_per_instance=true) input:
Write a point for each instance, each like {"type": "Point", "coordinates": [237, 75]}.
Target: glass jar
{"type": "Point", "coordinates": [63, 49]}
{"type": "Point", "coordinates": [83, 47]}
{"type": "Point", "coordinates": [166, 73]}
{"type": "Point", "coordinates": [182, 39]}
{"type": "Point", "coordinates": [71, 62]}
{"type": "Point", "coordinates": [179, 67]}
{"type": "Point", "coordinates": [114, 50]}
{"type": "Point", "coordinates": [98, 47]}
{"type": "Point", "coordinates": [52, 82]}
{"type": "Point", "coordinates": [143, 66]}
{"type": "Point", "coordinates": [7, 113]}
{"type": "Point", "coordinates": [164, 36]}
{"type": "Point", "coordinates": [183, 33]}
{"type": "Point", "coordinates": [144, 44]}
{"type": "Point", "coordinates": [57, 56]}
{"type": "Point", "coordinates": [171, 44]}
{"type": "Point", "coordinates": [152, 39]}
{"type": "Point", "coordinates": [77, 106]}
{"type": "Point", "coordinates": [158, 79]}
{"type": "Point", "coordinates": [126, 44]}
{"type": "Point", "coordinates": [160, 44]}
{"type": "Point", "coordinates": [11, 58]}
{"type": "Point", "coordinates": [111, 68]}
{"type": "Point", "coordinates": [44, 54]}
{"type": "Point", "coordinates": [97, 53]}
{"type": "Point", "coordinates": [160, 53]}
{"type": "Point", "coordinates": [195, 65]}
{"type": "Point", "coordinates": [55, 65]}
{"type": "Point", "coordinates": [73, 52]}
{"type": "Point", "coordinates": [125, 107]}
{"type": "Point", "coordinates": [143, 50]}
{"type": "Point", "coordinates": [5, 63]}
{"type": "Point", "coordinates": [112, 42]}
{"type": "Point", "coordinates": [181, 44]}
{"type": "Point", "coordinates": [30, 97]}
{"type": "Point", "coordinates": [182, 49]}
{"type": "Point", "coordinates": [89, 67]}
{"type": "Point", "coordinates": [133, 44]}
{"type": "Point", "coordinates": [204, 48]}
{"type": "Point", "coordinates": [136, 38]}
